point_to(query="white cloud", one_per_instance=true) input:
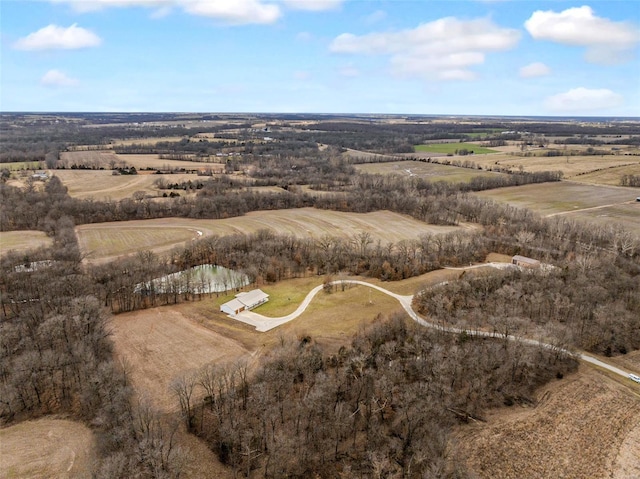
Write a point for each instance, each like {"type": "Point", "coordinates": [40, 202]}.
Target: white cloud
{"type": "Point", "coordinates": [533, 70]}
{"type": "Point", "coordinates": [444, 49]}
{"type": "Point", "coordinates": [236, 12]}
{"type": "Point", "coordinates": [96, 5]}
{"type": "Point", "coordinates": [56, 78]}
{"type": "Point", "coordinates": [53, 37]}
{"type": "Point", "coordinates": [313, 5]}
{"type": "Point", "coordinates": [583, 99]}
{"type": "Point", "coordinates": [606, 41]}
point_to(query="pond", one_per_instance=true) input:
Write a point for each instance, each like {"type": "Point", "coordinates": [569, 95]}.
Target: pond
{"type": "Point", "coordinates": [206, 278]}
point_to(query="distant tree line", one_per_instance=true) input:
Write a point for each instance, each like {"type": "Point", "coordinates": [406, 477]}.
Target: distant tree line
{"type": "Point", "coordinates": [630, 180]}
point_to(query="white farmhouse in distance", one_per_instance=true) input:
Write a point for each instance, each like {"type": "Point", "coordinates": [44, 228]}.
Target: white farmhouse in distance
{"type": "Point", "coordinates": [244, 301]}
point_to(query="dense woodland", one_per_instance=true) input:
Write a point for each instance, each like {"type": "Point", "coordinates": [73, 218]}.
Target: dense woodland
{"type": "Point", "coordinates": [386, 403]}
{"type": "Point", "coordinates": [382, 407]}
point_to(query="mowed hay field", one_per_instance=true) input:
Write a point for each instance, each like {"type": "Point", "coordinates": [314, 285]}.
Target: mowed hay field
{"type": "Point", "coordinates": [46, 448]}
{"type": "Point", "coordinates": [106, 240]}
{"type": "Point", "coordinates": [584, 426]}
{"type": "Point", "coordinates": [22, 240]}
{"type": "Point", "coordinates": [429, 171]}
{"type": "Point", "coordinates": [603, 204]}
{"type": "Point", "coordinates": [103, 185]}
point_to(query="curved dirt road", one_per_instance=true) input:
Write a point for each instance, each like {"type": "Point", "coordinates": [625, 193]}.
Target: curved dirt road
{"type": "Point", "coordinates": [264, 323]}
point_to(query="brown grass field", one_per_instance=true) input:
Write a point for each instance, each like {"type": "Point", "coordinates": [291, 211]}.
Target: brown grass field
{"type": "Point", "coordinates": [96, 159]}
{"type": "Point", "coordinates": [22, 240]}
{"type": "Point", "coordinates": [584, 426]}
{"type": "Point", "coordinates": [46, 448]}
{"type": "Point", "coordinates": [609, 176]}
{"type": "Point", "coordinates": [144, 141]}
{"type": "Point", "coordinates": [102, 185]}
{"type": "Point", "coordinates": [584, 202]}
{"type": "Point", "coordinates": [574, 165]}
{"type": "Point", "coordinates": [429, 171]}
{"type": "Point", "coordinates": [105, 240]}
{"type": "Point", "coordinates": [107, 158]}
{"type": "Point", "coordinates": [161, 343]}
{"type": "Point", "coordinates": [152, 161]}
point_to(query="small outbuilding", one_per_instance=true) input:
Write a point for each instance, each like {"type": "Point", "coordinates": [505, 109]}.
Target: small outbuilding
{"type": "Point", "coordinates": [244, 302]}
{"type": "Point", "coordinates": [525, 262]}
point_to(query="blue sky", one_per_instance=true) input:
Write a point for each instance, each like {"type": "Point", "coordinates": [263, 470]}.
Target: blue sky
{"type": "Point", "coordinates": [480, 57]}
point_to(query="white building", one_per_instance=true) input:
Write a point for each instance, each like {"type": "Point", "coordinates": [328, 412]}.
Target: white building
{"type": "Point", "coordinates": [244, 301]}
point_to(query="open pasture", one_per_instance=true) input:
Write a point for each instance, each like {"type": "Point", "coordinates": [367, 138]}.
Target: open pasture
{"type": "Point", "coordinates": [573, 167]}
{"type": "Point", "coordinates": [627, 215]}
{"type": "Point", "coordinates": [46, 448]}
{"type": "Point", "coordinates": [103, 240]}
{"type": "Point", "coordinates": [582, 427]}
{"type": "Point", "coordinates": [453, 147]}
{"type": "Point", "coordinates": [162, 343]}
{"type": "Point", "coordinates": [106, 159]}
{"type": "Point", "coordinates": [602, 204]}
{"type": "Point", "coordinates": [16, 166]}
{"type": "Point", "coordinates": [144, 141]}
{"type": "Point", "coordinates": [429, 171]}
{"type": "Point", "coordinates": [22, 240]}
{"type": "Point", "coordinates": [153, 161]}
{"type": "Point", "coordinates": [103, 185]}
{"type": "Point", "coordinates": [611, 175]}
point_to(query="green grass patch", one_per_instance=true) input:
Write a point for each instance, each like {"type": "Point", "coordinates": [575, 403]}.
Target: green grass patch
{"type": "Point", "coordinates": [23, 165]}
{"type": "Point", "coordinates": [286, 296]}
{"type": "Point", "coordinates": [482, 133]}
{"type": "Point", "coordinates": [452, 148]}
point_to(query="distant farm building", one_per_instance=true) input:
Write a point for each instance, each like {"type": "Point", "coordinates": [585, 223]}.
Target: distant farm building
{"type": "Point", "coordinates": [525, 262]}
{"type": "Point", "coordinates": [244, 301]}
{"type": "Point", "coordinates": [40, 176]}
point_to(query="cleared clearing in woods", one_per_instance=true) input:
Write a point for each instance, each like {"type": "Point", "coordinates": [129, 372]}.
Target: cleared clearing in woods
{"type": "Point", "coordinates": [46, 448]}
{"type": "Point", "coordinates": [103, 185]}
{"type": "Point", "coordinates": [584, 426]}
{"type": "Point", "coordinates": [162, 343]}
{"type": "Point", "coordinates": [105, 240]}
{"type": "Point", "coordinates": [22, 240]}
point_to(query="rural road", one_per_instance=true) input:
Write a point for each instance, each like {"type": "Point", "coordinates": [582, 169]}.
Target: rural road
{"type": "Point", "coordinates": [264, 323]}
